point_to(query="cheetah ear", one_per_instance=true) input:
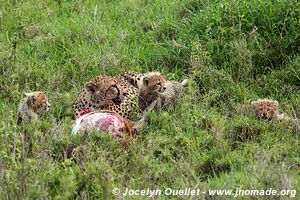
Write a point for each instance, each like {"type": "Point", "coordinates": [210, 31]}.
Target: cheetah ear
{"type": "Point", "coordinates": [26, 94]}
{"type": "Point", "coordinates": [30, 95]}
{"type": "Point", "coordinates": [253, 104]}
{"type": "Point", "coordinates": [31, 100]}
{"type": "Point", "coordinates": [276, 104]}
{"type": "Point", "coordinates": [90, 86]}
{"type": "Point", "coordinates": [145, 81]}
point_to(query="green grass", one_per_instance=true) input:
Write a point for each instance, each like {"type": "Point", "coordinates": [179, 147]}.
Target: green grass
{"type": "Point", "coordinates": [235, 51]}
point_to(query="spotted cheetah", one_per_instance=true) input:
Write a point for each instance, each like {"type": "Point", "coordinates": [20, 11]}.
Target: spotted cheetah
{"type": "Point", "coordinates": [108, 93]}
{"type": "Point", "coordinates": [119, 94]}
{"type": "Point", "coordinates": [150, 87]}
{"type": "Point", "coordinates": [267, 110]}
{"type": "Point", "coordinates": [32, 106]}
{"type": "Point", "coordinates": [154, 87]}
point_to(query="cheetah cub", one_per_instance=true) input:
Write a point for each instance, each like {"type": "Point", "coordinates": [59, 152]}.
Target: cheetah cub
{"type": "Point", "coordinates": [32, 106]}
{"type": "Point", "coordinates": [154, 87]}
{"type": "Point", "coordinates": [267, 110]}
{"type": "Point", "coordinates": [151, 85]}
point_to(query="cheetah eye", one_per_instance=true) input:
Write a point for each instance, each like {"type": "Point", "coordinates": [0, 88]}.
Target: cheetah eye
{"type": "Point", "coordinates": [261, 109]}
{"type": "Point", "coordinates": [159, 84]}
{"type": "Point", "coordinates": [268, 109]}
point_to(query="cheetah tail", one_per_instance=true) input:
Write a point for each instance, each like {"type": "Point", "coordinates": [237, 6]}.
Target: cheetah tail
{"type": "Point", "coordinates": [185, 82]}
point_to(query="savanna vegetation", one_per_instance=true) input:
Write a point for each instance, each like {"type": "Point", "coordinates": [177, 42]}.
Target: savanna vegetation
{"type": "Point", "coordinates": [234, 51]}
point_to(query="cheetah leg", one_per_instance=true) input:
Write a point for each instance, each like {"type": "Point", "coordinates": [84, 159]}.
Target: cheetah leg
{"type": "Point", "coordinates": [159, 103]}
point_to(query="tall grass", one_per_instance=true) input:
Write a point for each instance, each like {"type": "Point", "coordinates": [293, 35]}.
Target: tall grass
{"type": "Point", "coordinates": [235, 52]}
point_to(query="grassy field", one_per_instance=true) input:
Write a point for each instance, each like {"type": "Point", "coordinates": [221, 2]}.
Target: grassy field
{"type": "Point", "coordinates": [235, 51]}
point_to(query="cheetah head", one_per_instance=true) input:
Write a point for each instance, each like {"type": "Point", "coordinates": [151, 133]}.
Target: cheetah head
{"type": "Point", "coordinates": [38, 101]}
{"type": "Point", "coordinates": [265, 109]}
{"type": "Point", "coordinates": [104, 90]}
{"type": "Point", "coordinates": [154, 82]}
